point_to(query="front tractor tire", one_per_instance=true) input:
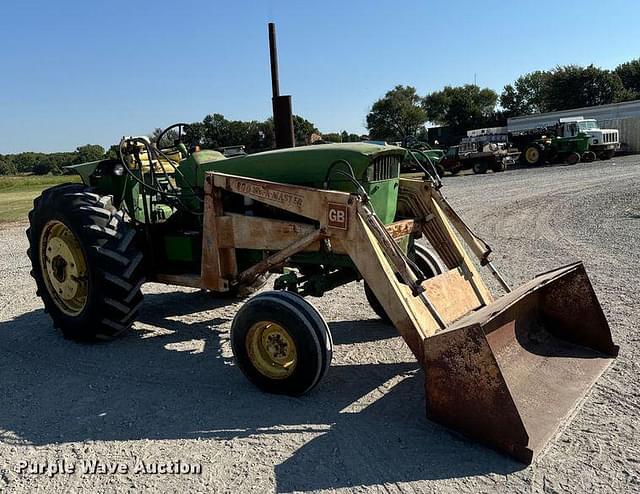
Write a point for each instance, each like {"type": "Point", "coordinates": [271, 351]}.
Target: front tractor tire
{"type": "Point", "coordinates": [281, 343]}
{"type": "Point", "coordinates": [85, 262]}
{"type": "Point", "coordinates": [572, 158]}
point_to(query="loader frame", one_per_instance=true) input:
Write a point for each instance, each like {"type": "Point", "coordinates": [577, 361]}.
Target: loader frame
{"type": "Point", "coordinates": [345, 225]}
{"type": "Point", "coordinates": [479, 354]}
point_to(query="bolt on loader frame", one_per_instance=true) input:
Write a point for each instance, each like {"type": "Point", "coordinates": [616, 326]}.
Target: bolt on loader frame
{"type": "Point", "coordinates": [507, 372]}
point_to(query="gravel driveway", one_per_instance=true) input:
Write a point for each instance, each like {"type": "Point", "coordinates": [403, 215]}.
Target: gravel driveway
{"type": "Point", "coordinates": [168, 391]}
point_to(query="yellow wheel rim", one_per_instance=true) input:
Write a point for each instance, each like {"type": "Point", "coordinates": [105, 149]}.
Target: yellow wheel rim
{"type": "Point", "coordinates": [532, 155]}
{"type": "Point", "coordinates": [271, 350]}
{"type": "Point", "coordinates": [64, 267]}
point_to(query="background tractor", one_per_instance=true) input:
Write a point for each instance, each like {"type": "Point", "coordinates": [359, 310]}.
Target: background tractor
{"type": "Point", "coordinates": [572, 140]}
{"type": "Point", "coordinates": [570, 150]}
{"type": "Point", "coordinates": [506, 371]}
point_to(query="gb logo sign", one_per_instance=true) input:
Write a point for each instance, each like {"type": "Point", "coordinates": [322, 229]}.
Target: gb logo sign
{"type": "Point", "coordinates": [337, 216]}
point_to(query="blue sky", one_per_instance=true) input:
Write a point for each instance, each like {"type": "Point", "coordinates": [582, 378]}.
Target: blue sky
{"type": "Point", "coordinates": [77, 72]}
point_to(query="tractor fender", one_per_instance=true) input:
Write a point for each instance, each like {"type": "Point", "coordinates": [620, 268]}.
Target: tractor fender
{"type": "Point", "coordinates": [85, 170]}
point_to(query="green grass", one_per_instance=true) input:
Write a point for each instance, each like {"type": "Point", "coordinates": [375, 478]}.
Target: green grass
{"type": "Point", "coordinates": [17, 193]}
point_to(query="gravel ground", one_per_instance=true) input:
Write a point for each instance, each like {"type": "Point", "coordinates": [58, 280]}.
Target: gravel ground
{"type": "Point", "coordinates": [169, 391]}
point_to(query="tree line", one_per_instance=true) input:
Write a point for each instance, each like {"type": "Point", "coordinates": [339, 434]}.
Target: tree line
{"type": "Point", "coordinates": [44, 163]}
{"type": "Point", "coordinates": [402, 113]}
{"type": "Point", "coordinates": [213, 132]}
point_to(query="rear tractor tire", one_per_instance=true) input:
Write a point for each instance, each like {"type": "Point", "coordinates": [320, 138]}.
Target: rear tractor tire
{"type": "Point", "coordinates": [533, 155]}
{"type": "Point", "coordinates": [87, 267]}
{"type": "Point", "coordinates": [281, 343]}
{"type": "Point", "coordinates": [589, 157]}
{"type": "Point", "coordinates": [430, 266]}
{"type": "Point", "coordinates": [480, 167]}
{"type": "Point", "coordinates": [572, 158]}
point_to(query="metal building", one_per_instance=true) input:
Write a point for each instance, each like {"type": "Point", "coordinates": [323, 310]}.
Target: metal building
{"type": "Point", "coordinates": [622, 116]}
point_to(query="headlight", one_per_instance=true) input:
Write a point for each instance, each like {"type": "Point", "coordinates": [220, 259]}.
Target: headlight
{"type": "Point", "coordinates": [370, 173]}
{"type": "Point", "coordinates": [118, 170]}
{"type": "Point", "coordinates": [595, 141]}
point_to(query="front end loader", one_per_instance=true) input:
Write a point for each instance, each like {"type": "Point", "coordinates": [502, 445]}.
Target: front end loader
{"type": "Point", "coordinates": [507, 371]}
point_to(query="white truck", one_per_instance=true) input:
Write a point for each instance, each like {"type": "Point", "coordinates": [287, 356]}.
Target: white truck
{"type": "Point", "coordinates": [603, 142]}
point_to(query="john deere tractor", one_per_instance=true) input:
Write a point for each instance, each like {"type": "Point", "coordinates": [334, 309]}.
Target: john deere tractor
{"type": "Point", "coordinates": [557, 149]}
{"type": "Point", "coordinates": [506, 371]}
{"type": "Point", "coordinates": [319, 217]}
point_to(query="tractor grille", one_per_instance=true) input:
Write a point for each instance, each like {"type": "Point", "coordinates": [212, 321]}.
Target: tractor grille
{"type": "Point", "coordinates": [386, 167]}
{"type": "Point", "coordinates": [610, 137]}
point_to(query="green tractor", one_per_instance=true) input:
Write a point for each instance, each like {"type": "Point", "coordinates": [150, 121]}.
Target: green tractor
{"type": "Point", "coordinates": [140, 218]}
{"type": "Point", "coordinates": [570, 150]}
{"type": "Point", "coordinates": [320, 217]}
{"type": "Point", "coordinates": [506, 371]}
{"type": "Point", "coordinates": [423, 160]}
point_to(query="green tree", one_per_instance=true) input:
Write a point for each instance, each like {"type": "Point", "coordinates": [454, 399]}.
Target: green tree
{"type": "Point", "coordinates": [54, 163]}
{"type": "Point", "coordinates": [88, 152]}
{"type": "Point", "coordinates": [259, 136]}
{"type": "Point", "coordinates": [24, 162]}
{"type": "Point", "coordinates": [194, 135]}
{"type": "Point", "coordinates": [462, 107]}
{"type": "Point", "coordinates": [332, 137]}
{"type": "Point", "coordinates": [45, 167]}
{"type": "Point", "coordinates": [629, 74]}
{"type": "Point", "coordinates": [168, 139]}
{"type": "Point", "coordinates": [7, 168]}
{"type": "Point", "coordinates": [215, 131]}
{"type": "Point", "coordinates": [397, 115]}
{"type": "Point", "coordinates": [573, 86]}
{"type": "Point", "coordinates": [302, 130]}
{"type": "Point", "coordinates": [347, 137]}
{"type": "Point", "coordinates": [113, 153]}
{"type": "Point", "coordinates": [526, 95]}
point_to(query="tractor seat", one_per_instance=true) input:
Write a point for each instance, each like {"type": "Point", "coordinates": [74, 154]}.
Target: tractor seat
{"type": "Point", "coordinates": [174, 155]}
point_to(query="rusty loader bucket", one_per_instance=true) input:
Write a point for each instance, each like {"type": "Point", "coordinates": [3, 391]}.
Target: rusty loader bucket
{"type": "Point", "coordinates": [507, 372]}
{"type": "Point", "coordinates": [511, 373]}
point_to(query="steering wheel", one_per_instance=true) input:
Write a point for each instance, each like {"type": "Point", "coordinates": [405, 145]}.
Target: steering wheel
{"type": "Point", "coordinates": [173, 133]}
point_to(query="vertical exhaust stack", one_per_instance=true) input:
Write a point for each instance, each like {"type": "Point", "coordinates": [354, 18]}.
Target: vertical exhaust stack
{"type": "Point", "coordinates": [282, 114]}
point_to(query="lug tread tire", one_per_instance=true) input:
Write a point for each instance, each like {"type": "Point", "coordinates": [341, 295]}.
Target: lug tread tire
{"type": "Point", "coordinates": [114, 261]}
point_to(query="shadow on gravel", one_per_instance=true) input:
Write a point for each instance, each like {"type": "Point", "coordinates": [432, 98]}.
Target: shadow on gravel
{"type": "Point", "coordinates": [169, 380]}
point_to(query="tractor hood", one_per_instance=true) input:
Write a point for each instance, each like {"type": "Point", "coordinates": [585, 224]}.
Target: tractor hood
{"type": "Point", "coordinates": [307, 165]}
